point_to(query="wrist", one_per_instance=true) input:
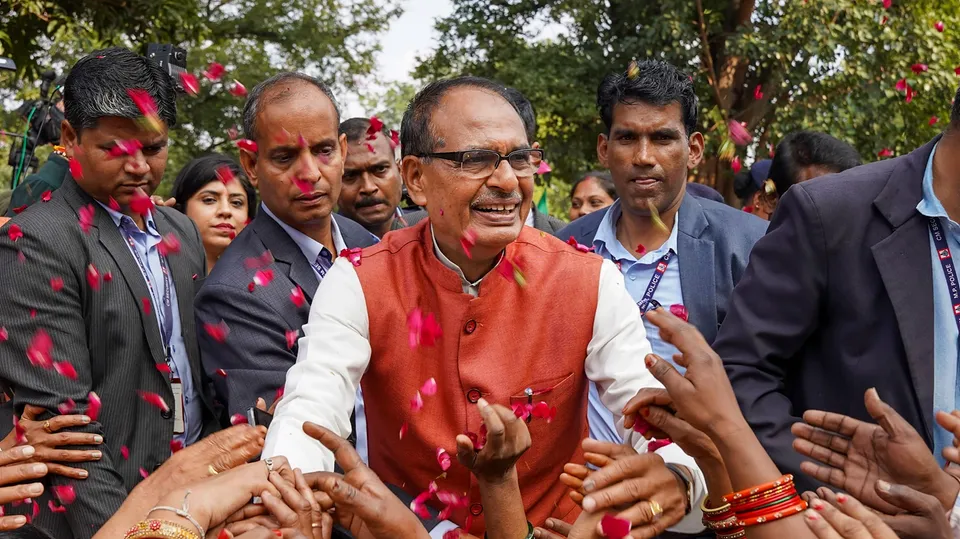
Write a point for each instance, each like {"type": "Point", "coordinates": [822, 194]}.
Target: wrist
{"type": "Point", "coordinates": [948, 490]}
{"type": "Point", "coordinates": [717, 479]}
{"type": "Point", "coordinates": [507, 479]}
{"type": "Point", "coordinates": [727, 428]}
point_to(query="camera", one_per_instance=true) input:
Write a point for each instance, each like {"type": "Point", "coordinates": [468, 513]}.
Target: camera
{"type": "Point", "coordinates": [44, 119]}
{"type": "Point", "coordinates": [171, 59]}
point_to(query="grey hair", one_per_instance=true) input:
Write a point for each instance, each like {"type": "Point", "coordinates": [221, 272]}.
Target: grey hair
{"type": "Point", "coordinates": [254, 105]}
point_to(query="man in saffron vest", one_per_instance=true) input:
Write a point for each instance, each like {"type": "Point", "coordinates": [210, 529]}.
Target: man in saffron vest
{"type": "Point", "coordinates": [426, 304]}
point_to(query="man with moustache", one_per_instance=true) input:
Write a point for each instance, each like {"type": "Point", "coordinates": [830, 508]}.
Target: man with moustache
{"type": "Point", "coordinates": [97, 292]}
{"type": "Point", "coordinates": [426, 307]}
{"type": "Point", "coordinates": [257, 297]}
{"type": "Point", "coordinates": [372, 187]}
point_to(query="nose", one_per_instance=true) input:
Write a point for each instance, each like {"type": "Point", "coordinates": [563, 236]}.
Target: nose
{"type": "Point", "coordinates": [224, 209]}
{"type": "Point", "coordinates": [307, 168]}
{"type": "Point", "coordinates": [136, 164]}
{"type": "Point", "coordinates": [367, 185]}
{"type": "Point", "coordinates": [644, 156]}
{"type": "Point", "coordinates": [504, 178]}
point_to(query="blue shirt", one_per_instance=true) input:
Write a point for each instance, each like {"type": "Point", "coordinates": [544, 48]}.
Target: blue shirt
{"type": "Point", "coordinates": [946, 392]}
{"type": "Point", "coordinates": [145, 242]}
{"type": "Point", "coordinates": [637, 273]}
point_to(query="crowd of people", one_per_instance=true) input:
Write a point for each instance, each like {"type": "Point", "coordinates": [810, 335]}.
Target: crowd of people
{"type": "Point", "coordinates": [325, 340]}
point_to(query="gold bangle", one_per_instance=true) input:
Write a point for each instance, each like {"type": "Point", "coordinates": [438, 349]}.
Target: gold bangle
{"type": "Point", "coordinates": [707, 511]}
{"type": "Point", "coordinates": [160, 529]}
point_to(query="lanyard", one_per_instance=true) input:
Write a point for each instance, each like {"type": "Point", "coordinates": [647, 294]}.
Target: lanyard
{"type": "Point", "coordinates": [946, 261]}
{"type": "Point", "coordinates": [647, 298]}
{"type": "Point", "coordinates": [166, 316]}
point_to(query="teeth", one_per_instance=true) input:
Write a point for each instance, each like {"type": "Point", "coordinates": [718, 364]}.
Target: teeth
{"type": "Point", "coordinates": [497, 208]}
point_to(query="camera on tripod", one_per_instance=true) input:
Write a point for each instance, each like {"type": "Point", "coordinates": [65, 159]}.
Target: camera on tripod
{"type": "Point", "coordinates": [43, 119]}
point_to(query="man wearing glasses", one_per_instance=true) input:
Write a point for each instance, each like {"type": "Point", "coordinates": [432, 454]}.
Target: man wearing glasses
{"type": "Point", "coordinates": [438, 316]}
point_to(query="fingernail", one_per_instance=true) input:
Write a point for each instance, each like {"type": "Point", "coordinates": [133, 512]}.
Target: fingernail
{"type": "Point", "coordinates": [841, 498]}
{"type": "Point", "coordinates": [28, 450]}
{"type": "Point", "coordinates": [650, 361]}
{"type": "Point", "coordinates": [35, 488]}
{"type": "Point", "coordinates": [589, 505]}
{"type": "Point", "coordinates": [39, 468]}
{"type": "Point", "coordinates": [536, 533]}
{"type": "Point", "coordinates": [589, 485]}
{"type": "Point", "coordinates": [278, 533]}
{"type": "Point", "coordinates": [96, 454]}
{"type": "Point", "coordinates": [85, 419]}
{"type": "Point", "coordinates": [817, 504]}
{"type": "Point", "coordinates": [97, 439]}
{"type": "Point", "coordinates": [19, 520]}
{"type": "Point", "coordinates": [549, 523]}
{"type": "Point", "coordinates": [482, 402]}
{"type": "Point", "coordinates": [811, 515]}
{"type": "Point", "coordinates": [883, 486]}
{"type": "Point", "coordinates": [83, 473]}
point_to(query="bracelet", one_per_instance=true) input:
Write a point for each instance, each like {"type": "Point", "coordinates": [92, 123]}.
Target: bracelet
{"type": "Point", "coordinates": [734, 535]}
{"type": "Point", "coordinates": [711, 512]}
{"type": "Point", "coordinates": [756, 490]}
{"type": "Point", "coordinates": [763, 497]}
{"type": "Point", "coordinates": [183, 512]}
{"type": "Point", "coordinates": [529, 532]}
{"type": "Point", "coordinates": [791, 510]}
{"type": "Point", "coordinates": [765, 503]}
{"type": "Point", "coordinates": [687, 484]}
{"type": "Point", "coordinates": [160, 529]}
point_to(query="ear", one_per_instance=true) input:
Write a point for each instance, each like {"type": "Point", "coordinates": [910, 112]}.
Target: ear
{"type": "Point", "coordinates": [535, 145]}
{"type": "Point", "coordinates": [411, 168]}
{"type": "Point", "coordinates": [343, 148]}
{"type": "Point", "coordinates": [248, 161]}
{"type": "Point", "coordinates": [69, 138]}
{"type": "Point", "coordinates": [696, 150]}
{"type": "Point", "coordinates": [602, 149]}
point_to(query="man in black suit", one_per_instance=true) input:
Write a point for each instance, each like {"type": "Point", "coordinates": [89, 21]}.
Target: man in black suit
{"type": "Point", "coordinates": [848, 291]}
{"type": "Point", "coordinates": [258, 295]}
{"type": "Point", "coordinates": [97, 291]}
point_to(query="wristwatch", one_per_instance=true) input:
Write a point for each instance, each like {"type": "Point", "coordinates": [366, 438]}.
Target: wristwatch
{"type": "Point", "coordinates": [686, 479]}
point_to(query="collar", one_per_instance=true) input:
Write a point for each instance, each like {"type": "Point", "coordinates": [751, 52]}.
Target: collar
{"type": "Point", "coordinates": [119, 219]}
{"type": "Point", "coordinates": [468, 287]}
{"type": "Point", "coordinates": [310, 247]}
{"type": "Point", "coordinates": [930, 205]}
{"type": "Point", "coordinates": [606, 240]}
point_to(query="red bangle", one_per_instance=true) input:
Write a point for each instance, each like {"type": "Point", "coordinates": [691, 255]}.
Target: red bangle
{"type": "Point", "coordinates": [764, 502]}
{"type": "Point", "coordinates": [756, 490]}
{"type": "Point", "coordinates": [772, 508]}
{"type": "Point", "coordinates": [764, 496]}
{"type": "Point", "coordinates": [770, 517]}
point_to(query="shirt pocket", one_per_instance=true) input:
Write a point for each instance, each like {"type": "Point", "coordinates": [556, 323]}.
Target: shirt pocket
{"type": "Point", "coordinates": [542, 390]}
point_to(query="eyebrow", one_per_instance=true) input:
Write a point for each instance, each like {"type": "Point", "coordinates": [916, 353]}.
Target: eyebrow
{"type": "Point", "coordinates": [296, 147]}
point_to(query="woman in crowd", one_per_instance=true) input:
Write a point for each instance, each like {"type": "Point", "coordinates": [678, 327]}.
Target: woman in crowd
{"type": "Point", "coordinates": [593, 191]}
{"type": "Point", "coordinates": [214, 192]}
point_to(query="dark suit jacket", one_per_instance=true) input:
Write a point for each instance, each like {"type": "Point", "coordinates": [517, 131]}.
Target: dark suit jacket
{"type": "Point", "coordinates": [838, 298]}
{"type": "Point", "coordinates": [105, 334]}
{"type": "Point", "coordinates": [713, 244]}
{"type": "Point", "coordinates": [255, 355]}
{"type": "Point", "coordinates": [541, 221]}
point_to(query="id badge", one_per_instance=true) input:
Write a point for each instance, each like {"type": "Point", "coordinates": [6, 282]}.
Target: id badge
{"type": "Point", "coordinates": [178, 405]}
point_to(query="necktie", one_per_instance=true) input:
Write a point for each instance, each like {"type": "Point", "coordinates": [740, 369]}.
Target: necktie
{"type": "Point", "coordinates": [323, 263]}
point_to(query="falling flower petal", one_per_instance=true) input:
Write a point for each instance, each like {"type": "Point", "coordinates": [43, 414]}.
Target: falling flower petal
{"type": "Point", "coordinates": [14, 232]}
{"type": "Point", "coordinates": [76, 170]}
{"type": "Point", "coordinates": [305, 186]}
{"type": "Point", "coordinates": [424, 328]}
{"type": "Point", "coordinates": [679, 311]}
{"type": "Point", "coordinates": [939, 26]}
{"type": "Point", "coordinates": [169, 245]}
{"type": "Point", "coordinates": [292, 335]}
{"type": "Point", "coordinates": [19, 209]}
{"type": "Point", "coordinates": [67, 407]}
{"type": "Point", "coordinates": [263, 277]}
{"type": "Point", "coordinates": [93, 408]}
{"type": "Point", "coordinates": [443, 459]}
{"type": "Point", "coordinates": [233, 132]}
{"type": "Point", "coordinates": [758, 92]}
{"type": "Point", "coordinates": [190, 83]}
{"type": "Point", "coordinates": [353, 255]}
{"type": "Point", "coordinates": [633, 70]}
{"type": "Point", "coordinates": [403, 429]}
{"type": "Point", "coordinates": [748, 209]}
{"type": "Point", "coordinates": [934, 120]}
{"type": "Point", "coordinates": [887, 4]}
{"type": "Point", "coordinates": [468, 241]}
{"type": "Point", "coordinates": [301, 142]}
{"type": "Point", "coordinates": [238, 419]}
{"type": "Point", "coordinates": [739, 133]}
{"type": "Point", "coordinates": [511, 270]}
{"type": "Point", "coordinates": [416, 403]}
{"type": "Point", "coordinates": [641, 426]}
{"type": "Point", "coordinates": [125, 452]}
{"type": "Point", "coordinates": [614, 527]}
{"type": "Point", "coordinates": [641, 250]}
{"type": "Point", "coordinates": [238, 89]}
{"type": "Point", "coordinates": [376, 125]}
{"type": "Point", "coordinates": [225, 174]}
{"type": "Point", "coordinates": [214, 71]}
{"type": "Point", "coordinates": [56, 283]}
{"type": "Point", "coordinates": [279, 394]}
{"type": "Point", "coordinates": [93, 277]}
{"type": "Point", "coordinates": [251, 286]}
{"type": "Point", "coordinates": [54, 508]}
{"type": "Point", "coordinates": [3, 334]}
{"type": "Point", "coordinates": [147, 106]}
{"type": "Point", "coordinates": [910, 94]}
{"type": "Point", "coordinates": [394, 139]}
{"type": "Point", "coordinates": [221, 372]}
{"type": "Point", "coordinates": [247, 144]}
{"type": "Point", "coordinates": [20, 433]}
{"type": "Point", "coordinates": [113, 204]}
{"type": "Point", "coordinates": [429, 387]}
{"type": "Point", "coordinates": [147, 308]}
{"type": "Point", "coordinates": [86, 217]}
{"type": "Point", "coordinates": [886, 152]}
{"type": "Point", "coordinates": [884, 20]}
{"type": "Point", "coordinates": [153, 400]}
{"type": "Point", "coordinates": [919, 68]}
{"type": "Point", "coordinates": [521, 410]}
{"type": "Point", "coordinates": [45, 197]}
{"type": "Point", "coordinates": [163, 367]}
{"type": "Point", "coordinates": [143, 473]}
{"type": "Point", "coordinates": [64, 493]}
{"type": "Point", "coordinates": [259, 262]}
{"type": "Point", "coordinates": [141, 203]}
{"type": "Point", "coordinates": [957, 71]}
{"type": "Point", "coordinates": [125, 147]}
{"type": "Point", "coordinates": [297, 297]}
{"type": "Point", "coordinates": [657, 444]}
{"type": "Point", "coordinates": [579, 246]}
{"type": "Point", "coordinates": [175, 445]}
{"type": "Point", "coordinates": [36, 509]}
{"type": "Point", "coordinates": [769, 188]}
{"type": "Point", "coordinates": [39, 350]}
{"type": "Point", "coordinates": [453, 534]}
{"type": "Point", "coordinates": [65, 369]}
{"type": "Point", "coordinates": [542, 410]}
{"type": "Point", "coordinates": [735, 165]}
{"type": "Point", "coordinates": [217, 332]}
{"type": "Point", "coordinates": [901, 85]}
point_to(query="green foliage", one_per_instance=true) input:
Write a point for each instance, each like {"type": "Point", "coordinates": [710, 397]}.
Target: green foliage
{"type": "Point", "coordinates": [334, 40]}
{"type": "Point", "coordinates": [827, 65]}
{"type": "Point", "coordinates": [390, 105]}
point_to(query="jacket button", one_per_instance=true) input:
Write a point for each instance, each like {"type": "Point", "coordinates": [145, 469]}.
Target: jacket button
{"type": "Point", "coordinates": [474, 395]}
{"type": "Point", "coordinates": [476, 509]}
{"type": "Point", "coordinates": [470, 327]}
{"type": "Point", "coordinates": [166, 414]}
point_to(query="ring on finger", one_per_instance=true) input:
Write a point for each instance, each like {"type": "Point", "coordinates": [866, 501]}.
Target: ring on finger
{"type": "Point", "coordinates": [655, 509]}
{"type": "Point", "coordinates": [46, 426]}
{"type": "Point", "coordinates": [269, 463]}
{"type": "Point", "coordinates": [212, 470]}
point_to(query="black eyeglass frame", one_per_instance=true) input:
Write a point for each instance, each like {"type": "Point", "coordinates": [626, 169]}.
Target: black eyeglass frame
{"type": "Point", "coordinates": [457, 157]}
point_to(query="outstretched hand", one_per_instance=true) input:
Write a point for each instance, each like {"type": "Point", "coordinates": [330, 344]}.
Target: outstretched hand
{"type": "Point", "coordinates": [852, 455]}
{"type": "Point", "coordinates": [508, 438]}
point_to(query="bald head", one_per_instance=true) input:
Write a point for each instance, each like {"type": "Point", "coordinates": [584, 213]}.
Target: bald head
{"type": "Point", "coordinates": [278, 89]}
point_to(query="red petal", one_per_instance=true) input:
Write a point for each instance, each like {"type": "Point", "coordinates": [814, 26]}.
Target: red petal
{"type": "Point", "coordinates": [443, 459]}
{"type": "Point", "coordinates": [279, 394]}
{"type": "Point", "coordinates": [169, 245]}
{"type": "Point", "coordinates": [163, 367]}
{"type": "Point", "coordinates": [218, 331]}
{"type": "Point", "coordinates": [3, 334]}
{"type": "Point", "coordinates": [934, 120]}
{"type": "Point", "coordinates": [251, 286]}
{"type": "Point", "coordinates": [738, 133]}
{"type": "Point", "coordinates": [259, 262]}
{"type": "Point", "coordinates": [125, 452]}
{"type": "Point", "coordinates": [221, 372]}
{"type": "Point", "coordinates": [65, 494]}
{"type": "Point", "coordinates": [93, 406]}
{"type": "Point", "coordinates": [125, 147]}
{"type": "Point", "coordinates": [758, 92]}
{"type": "Point", "coordinates": [468, 241]}
{"type": "Point", "coordinates": [19, 430]}
{"type": "Point", "coordinates": [67, 407]}
{"type": "Point", "coordinates": [424, 330]}
{"type": "Point", "coordinates": [369, 147]}
{"type": "Point", "coordinates": [297, 297]}
{"type": "Point", "coordinates": [416, 403]}
{"type": "Point", "coordinates": [65, 369]}
{"type": "Point", "coordinates": [657, 444]}
{"type": "Point", "coordinates": [919, 68]}
{"type": "Point", "coordinates": [541, 410]}
{"type": "Point", "coordinates": [93, 277]}
{"type": "Point", "coordinates": [375, 126]}
{"type": "Point", "coordinates": [248, 145]}
{"type": "Point", "coordinates": [190, 83]}
{"type": "Point", "coordinates": [86, 217]}
{"type": "Point", "coordinates": [238, 419]}
{"type": "Point", "coordinates": [46, 196]}
{"type": "Point", "coordinates": [887, 4]}
{"type": "Point", "coordinates": [76, 169]}
{"type": "Point", "coordinates": [113, 204]}
{"type": "Point", "coordinates": [292, 336]}
{"type": "Point", "coordinates": [145, 302]}
{"type": "Point", "coordinates": [233, 133]}
{"type": "Point", "coordinates": [14, 232]}
{"type": "Point", "coordinates": [403, 429]}
{"type": "Point", "coordinates": [141, 203]}
{"type": "Point", "coordinates": [144, 101]}
{"type": "Point", "coordinates": [143, 473]}
{"type": "Point", "coordinates": [263, 277]}
{"type": "Point", "coordinates": [735, 164]}
{"type": "Point", "coordinates": [305, 186]}
{"type": "Point", "coordinates": [679, 311]}
{"type": "Point", "coordinates": [54, 508]}
{"type": "Point", "coordinates": [301, 142]}
{"type": "Point", "coordinates": [19, 209]}
{"type": "Point", "coordinates": [39, 350]}
{"type": "Point", "coordinates": [452, 534]}
{"type": "Point", "coordinates": [214, 71]}
{"type": "Point", "coordinates": [353, 255]}
{"type": "Point", "coordinates": [613, 527]}
{"type": "Point", "coordinates": [56, 283]}
{"type": "Point", "coordinates": [641, 250]}
{"type": "Point", "coordinates": [429, 387]}
{"type": "Point", "coordinates": [238, 89]}
{"type": "Point", "coordinates": [225, 174]}
{"type": "Point", "coordinates": [886, 152]}
{"type": "Point", "coordinates": [578, 246]}
{"type": "Point", "coordinates": [394, 139]}
{"type": "Point", "coordinates": [939, 26]}
{"type": "Point", "coordinates": [36, 510]}
{"type": "Point", "coordinates": [175, 445]}
{"type": "Point", "coordinates": [154, 400]}
{"type": "Point", "coordinates": [957, 71]}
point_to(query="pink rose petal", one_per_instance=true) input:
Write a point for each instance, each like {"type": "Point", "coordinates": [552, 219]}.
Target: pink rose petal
{"type": "Point", "coordinates": [613, 527]}
{"type": "Point", "coordinates": [429, 387]}
{"type": "Point", "coordinates": [93, 406]}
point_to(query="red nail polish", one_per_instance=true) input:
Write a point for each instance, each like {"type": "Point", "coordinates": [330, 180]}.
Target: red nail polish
{"type": "Point", "coordinates": [841, 498]}
{"type": "Point", "coordinates": [278, 533]}
{"type": "Point", "coordinates": [649, 361]}
{"type": "Point", "coordinates": [813, 516]}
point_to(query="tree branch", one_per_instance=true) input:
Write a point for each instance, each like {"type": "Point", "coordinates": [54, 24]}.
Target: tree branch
{"type": "Point", "coordinates": [708, 58]}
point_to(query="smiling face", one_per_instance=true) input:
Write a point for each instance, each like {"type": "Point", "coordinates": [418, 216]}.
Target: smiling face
{"type": "Point", "coordinates": [220, 212]}
{"type": "Point", "coordinates": [493, 207]}
{"type": "Point", "coordinates": [371, 183]}
{"type": "Point", "coordinates": [649, 154]}
{"type": "Point", "coordinates": [105, 176]}
{"type": "Point", "coordinates": [299, 183]}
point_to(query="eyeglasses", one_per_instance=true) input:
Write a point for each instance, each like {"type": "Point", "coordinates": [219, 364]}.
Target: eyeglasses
{"type": "Point", "coordinates": [483, 163]}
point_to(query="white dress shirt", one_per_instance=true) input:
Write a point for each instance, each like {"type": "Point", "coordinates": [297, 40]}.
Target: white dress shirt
{"type": "Point", "coordinates": [335, 352]}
